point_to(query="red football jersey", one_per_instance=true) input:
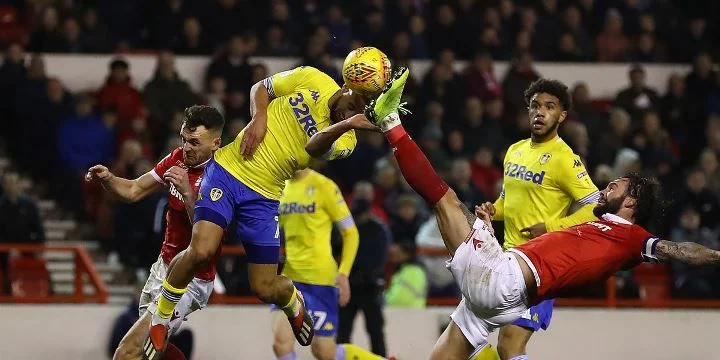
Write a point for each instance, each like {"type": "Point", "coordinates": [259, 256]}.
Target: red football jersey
{"type": "Point", "coordinates": [179, 226]}
{"type": "Point", "coordinates": [585, 254]}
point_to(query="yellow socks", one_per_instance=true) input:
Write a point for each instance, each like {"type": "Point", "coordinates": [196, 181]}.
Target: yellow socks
{"type": "Point", "coordinates": [487, 353]}
{"type": "Point", "coordinates": [169, 297]}
{"type": "Point", "coordinates": [292, 308]}
{"type": "Point", "coordinates": [354, 352]}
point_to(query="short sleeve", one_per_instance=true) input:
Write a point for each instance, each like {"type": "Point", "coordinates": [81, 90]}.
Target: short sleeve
{"type": "Point", "coordinates": [336, 206]}
{"type": "Point", "coordinates": [287, 82]}
{"type": "Point", "coordinates": [164, 165]}
{"type": "Point", "coordinates": [342, 147]}
{"type": "Point", "coordinates": [575, 180]}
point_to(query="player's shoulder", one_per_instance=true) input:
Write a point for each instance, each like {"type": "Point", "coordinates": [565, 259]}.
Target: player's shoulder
{"type": "Point", "coordinates": [172, 158]}
{"type": "Point", "coordinates": [519, 145]}
{"type": "Point", "coordinates": [322, 180]}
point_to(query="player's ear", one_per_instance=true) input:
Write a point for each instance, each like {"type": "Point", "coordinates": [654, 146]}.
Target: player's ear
{"type": "Point", "coordinates": [629, 202]}
{"type": "Point", "coordinates": [563, 116]}
{"type": "Point", "coordinates": [217, 141]}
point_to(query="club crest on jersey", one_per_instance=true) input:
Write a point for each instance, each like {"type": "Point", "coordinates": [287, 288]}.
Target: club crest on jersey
{"type": "Point", "coordinates": [310, 190]}
{"type": "Point", "coordinates": [215, 194]}
{"type": "Point", "coordinates": [544, 158]}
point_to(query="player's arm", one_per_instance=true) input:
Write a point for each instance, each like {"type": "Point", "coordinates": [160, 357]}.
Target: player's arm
{"type": "Point", "coordinates": [499, 206]}
{"type": "Point", "coordinates": [687, 252]}
{"type": "Point", "coordinates": [338, 140]}
{"type": "Point", "coordinates": [342, 218]}
{"type": "Point", "coordinates": [575, 181]}
{"type": "Point", "coordinates": [121, 188]}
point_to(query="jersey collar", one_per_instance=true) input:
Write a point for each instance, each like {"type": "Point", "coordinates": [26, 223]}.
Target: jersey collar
{"type": "Point", "coordinates": [200, 166]}
{"type": "Point", "coordinates": [615, 218]}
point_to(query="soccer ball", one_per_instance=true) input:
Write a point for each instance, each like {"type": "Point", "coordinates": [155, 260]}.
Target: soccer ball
{"type": "Point", "coordinates": [366, 70]}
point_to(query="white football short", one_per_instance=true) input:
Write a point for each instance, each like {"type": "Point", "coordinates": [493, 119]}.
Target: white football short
{"type": "Point", "coordinates": [195, 298]}
{"type": "Point", "coordinates": [491, 282]}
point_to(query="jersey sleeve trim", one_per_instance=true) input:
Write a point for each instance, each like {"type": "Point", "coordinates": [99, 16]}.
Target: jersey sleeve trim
{"type": "Point", "coordinates": [156, 176]}
{"type": "Point", "coordinates": [648, 249]}
{"type": "Point", "coordinates": [591, 198]}
{"type": "Point", "coordinates": [269, 86]}
{"type": "Point", "coordinates": [529, 263]}
{"type": "Point", "coordinates": [345, 223]}
{"type": "Point", "coordinates": [329, 153]}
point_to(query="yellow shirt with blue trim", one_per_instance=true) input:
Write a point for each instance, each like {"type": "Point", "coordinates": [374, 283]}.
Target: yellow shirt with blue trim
{"type": "Point", "coordinates": [540, 184]}
{"type": "Point", "coordinates": [308, 209]}
{"type": "Point", "coordinates": [298, 109]}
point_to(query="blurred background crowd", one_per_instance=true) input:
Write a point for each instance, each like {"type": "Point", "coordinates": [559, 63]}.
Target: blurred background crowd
{"type": "Point", "coordinates": [464, 120]}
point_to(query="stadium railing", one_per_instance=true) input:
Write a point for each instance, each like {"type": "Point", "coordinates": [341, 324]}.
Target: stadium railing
{"type": "Point", "coordinates": [84, 270]}
{"type": "Point", "coordinates": [611, 299]}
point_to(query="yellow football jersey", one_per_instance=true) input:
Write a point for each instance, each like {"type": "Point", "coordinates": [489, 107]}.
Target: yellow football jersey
{"type": "Point", "coordinates": [298, 109]}
{"type": "Point", "coordinates": [540, 183]}
{"type": "Point", "coordinates": [308, 209]}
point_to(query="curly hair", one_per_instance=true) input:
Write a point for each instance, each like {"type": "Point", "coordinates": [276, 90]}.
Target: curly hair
{"type": "Point", "coordinates": [553, 87]}
{"type": "Point", "coordinates": [648, 202]}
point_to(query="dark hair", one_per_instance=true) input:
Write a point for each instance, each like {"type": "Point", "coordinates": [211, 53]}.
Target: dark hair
{"type": "Point", "coordinates": [648, 203]}
{"type": "Point", "coordinates": [552, 87]}
{"type": "Point", "coordinates": [204, 115]}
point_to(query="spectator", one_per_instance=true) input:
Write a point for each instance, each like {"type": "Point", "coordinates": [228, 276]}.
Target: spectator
{"type": "Point", "coordinates": [217, 94]}
{"type": "Point", "coordinates": [646, 50]}
{"type": "Point", "coordinates": [689, 43]}
{"type": "Point", "coordinates": [21, 221]}
{"type": "Point", "coordinates": [408, 285]}
{"type": "Point", "coordinates": [367, 274]}
{"type": "Point", "coordinates": [339, 26]}
{"type": "Point", "coordinates": [166, 93]}
{"type": "Point", "coordinates": [232, 66]}
{"type": "Point", "coordinates": [192, 41]}
{"type": "Point", "coordinates": [461, 181]}
{"type": "Point", "coordinates": [573, 24]}
{"type": "Point", "coordinates": [84, 139]}
{"type": "Point", "coordinates": [47, 38]}
{"type": "Point", "coordinates": [480, 79]}
{"type": "Point", "coordinates": [277, 44]}
{"type": "Point", "coordinates": [226, 19]}
{"type": "Point", "coordinates": [699, 197]}
{"type": "Point", "coordinates": [443, 31]}
{"type": "Point", "coordinates": [568, 50]}
{"type": "Point", "coordinates": [440, 281]}
{"type": "Point", "coordinates": [73, 42]}
{"type": "Point", "coordinates": [710, 167]}
{"type": "Point", "coordinates": [418, 44]}
{"type": "Point", "coordinates": [406, 222]}
{"type": "Point", "coordinates": [520, 75]}
{"type": "Point", "coordinates": [691, 281]}
{"type": "Point", "coordinates": [95, 35]}
{"type": "Point", "coordinates": [584, 111]}
{"type": "Point", "coordinates": [612, 138]}
{"type": "Point", "coordinates": [638, 97]}
{"type": "Point", "coordinates": [612, 45]}
{"type": "Point", "coordinates": [365, 190]}
{"type": "Point", "coordinates": [485, 175]}
{"type": "Point", "coordinates": [119, 93]}
{"type": "Point", "coordinates": [167, 25]}
{"type": "Point", "coordinates": [373, 30]}
{"type": "Point", "coordinates": [674, 108]}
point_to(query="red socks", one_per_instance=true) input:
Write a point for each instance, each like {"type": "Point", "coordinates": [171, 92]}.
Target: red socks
{"type": "Point", "coordinates": [415, 167]}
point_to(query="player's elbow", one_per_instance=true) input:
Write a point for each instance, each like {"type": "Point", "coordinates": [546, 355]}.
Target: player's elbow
{"type": "Point", "coordinates": [314, 148]}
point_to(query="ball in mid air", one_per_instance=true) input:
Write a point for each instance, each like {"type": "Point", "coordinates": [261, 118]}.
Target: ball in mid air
{"type": "Point", "coordinates": [366, 70]}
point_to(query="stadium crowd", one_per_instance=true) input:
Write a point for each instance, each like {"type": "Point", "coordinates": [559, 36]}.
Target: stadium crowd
{"type": "Point", "coordinates": [463, 120]}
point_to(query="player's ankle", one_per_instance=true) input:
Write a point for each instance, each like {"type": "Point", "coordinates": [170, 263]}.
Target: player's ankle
{"type": "Point", "coordinates": [159, 320]}
{"type": "Point", "coordinates": [390, 121]}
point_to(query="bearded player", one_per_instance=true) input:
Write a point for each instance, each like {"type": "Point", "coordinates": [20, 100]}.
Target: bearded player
{"type": "Point", "coordinates": [543, 178]}
{"type": "Point", "coordinates": [296, 115]}
{"type": "Point", "coordinates": [499, 286]}
{"type": "Point", "coordinates": [309, 207]}
{"type": "Point", "coordinates": [181, 171]}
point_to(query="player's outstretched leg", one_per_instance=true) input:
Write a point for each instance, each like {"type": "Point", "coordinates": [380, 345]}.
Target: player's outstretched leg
{"type": "Point", "coordinates": [206, 239]}
{"type": "Point", "coordinates": [454, 219]}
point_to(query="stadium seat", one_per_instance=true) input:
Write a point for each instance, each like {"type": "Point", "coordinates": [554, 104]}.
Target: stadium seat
{"type": "Point", "coordinates": [29, 277]}
{"type": "Point", "coordinates": [653, 281]}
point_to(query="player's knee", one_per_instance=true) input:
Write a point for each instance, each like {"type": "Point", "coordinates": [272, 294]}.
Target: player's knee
{"type": "Point", "coordinates": [510, 345]}
{"type": "Point", "coordinates": [126, 352]}
{"type": "Point", "coordinates": [282, 347]}
{"type": "Point", "coordinates": [200, 254]}
{"type": "Point", "coordinates": [323, 351]}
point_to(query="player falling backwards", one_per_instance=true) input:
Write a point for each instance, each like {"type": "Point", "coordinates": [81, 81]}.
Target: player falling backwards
{"type": "Point", "coordinates": [543, 178]}
{"type": "Point", "coordinates": [499, 286]}
{"type": "Point", "coordinates": [182, 172]}
{"type": "Point", "coordinates": [310, 205]}
{"type": "Point", "coordinates": [292, 119]}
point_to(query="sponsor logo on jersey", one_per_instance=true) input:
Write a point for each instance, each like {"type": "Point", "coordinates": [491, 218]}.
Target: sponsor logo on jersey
{"type": "Point", "coordinates": [315, 95]}
{"type": "Point", "coordinates": [521, 172]}
{"type": "Point", "coordinates": [297, 208]}
{"type": "Point", "coordinates": [544, 158]}
{"type": "Point", "coordinates": [215, 194]}
{"type": "Point", "coordinates": [174, 192]}
{"type": "Point", "coordinates": [600, 226]}
{"type": "Point", "coordinates": [302, 114]}
{"type": "Point", "coordinates": [580, 175]}
{"type": "Point", "coordinates": [310, 190]}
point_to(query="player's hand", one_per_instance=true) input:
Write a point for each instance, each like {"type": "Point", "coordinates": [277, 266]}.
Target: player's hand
{"type": "Point", "coordinates": [485, 209]}
{"type": "Point", "coordinates": [254, 135]}
{"type": "Point", "coordinates": [98, 172]}
{"type": "Point", "coordinates": [534, 230]}
{"type": "Point", "coordinates": [343, 285]}
{"type": "Point", "coordinates": [361, 122]}
{"type": "Point", "coordinates": [179, 177]}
